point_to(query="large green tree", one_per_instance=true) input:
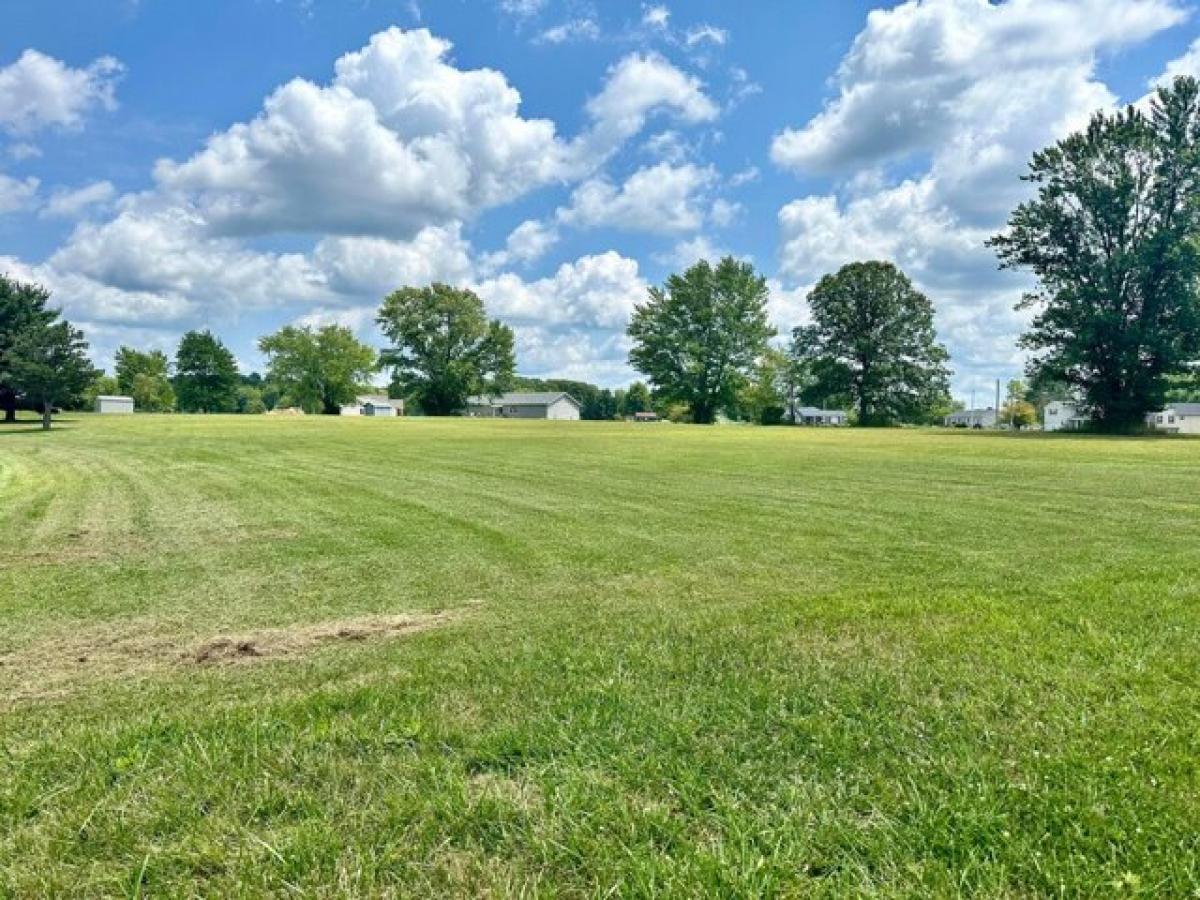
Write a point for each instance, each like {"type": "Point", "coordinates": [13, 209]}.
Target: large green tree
{"type": "Point", "coordinates": [444, 348]}
{"type": "Point", "coordinates": [49, 366]}
{"type": "Point", "coordinates": [22, 306]}
{"type": "Point", "coordinates": [320, 370]}
{"type": "Point", "coordinates": [1113, 237]}
{"type": "Point", "coordinates": [206, 374]}
{"type": "Point", "coordinates": [145, 376]}
{"type": "Point", "coordinates": [697, 337]}
{"type": "Point", "coordinates": [872, 340]}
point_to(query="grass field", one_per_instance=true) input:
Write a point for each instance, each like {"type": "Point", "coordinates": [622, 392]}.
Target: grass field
{"type": "Point", "coordinates": [327, 657]}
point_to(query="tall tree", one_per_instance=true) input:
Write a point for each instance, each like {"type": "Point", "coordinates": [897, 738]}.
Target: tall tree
{"type": "Point", "coordinates": [206, 374]}
{"type": "Point", "coordinates": [1113, 237]}
{"type": "Point", "coordinates": [697, 336]}
{"type": "Point", "coordinates": [145, 376]}
{"type": "Point", "coordinates": [873, 340]}
{"type": "Point", "coordinates": [444, 348]}
{"type": "Point", "coordinates": [320, 370]}
{"type": "Point", "coordinates": [22, 306]}
{"type": "Point", "coordinates": [49, 366]}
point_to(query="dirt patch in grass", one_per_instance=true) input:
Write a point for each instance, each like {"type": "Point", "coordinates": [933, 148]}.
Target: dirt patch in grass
{"type": "Point", "coordinates": [55, 667]}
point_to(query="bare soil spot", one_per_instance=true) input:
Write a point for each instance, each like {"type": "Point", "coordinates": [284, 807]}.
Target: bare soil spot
{"type": "Point", "coordinates": [54, 667]}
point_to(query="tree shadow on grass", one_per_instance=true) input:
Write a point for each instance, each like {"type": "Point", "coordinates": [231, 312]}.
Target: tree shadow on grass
{"type": "Point", "coordinates": [34, 426]}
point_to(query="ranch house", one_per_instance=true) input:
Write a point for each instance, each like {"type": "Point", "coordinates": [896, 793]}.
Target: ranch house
{"type": "Point", "coordinates": [546, 405]}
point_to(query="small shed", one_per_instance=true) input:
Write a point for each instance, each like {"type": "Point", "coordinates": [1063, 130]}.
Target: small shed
{"type": "Point", "coordinates": [109, 404]}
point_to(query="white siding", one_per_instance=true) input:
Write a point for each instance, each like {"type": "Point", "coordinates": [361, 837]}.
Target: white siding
{"type": "Point", "coordinates": [110, 405]}
{"type": "Point", "coordinates": [563, 409]}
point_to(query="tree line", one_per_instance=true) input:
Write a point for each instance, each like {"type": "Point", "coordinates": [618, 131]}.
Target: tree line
{"type": "Point", "coordinates": [1112, 236]}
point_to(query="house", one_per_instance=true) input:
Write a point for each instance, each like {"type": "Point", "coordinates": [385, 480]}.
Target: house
{"type": "Point", "coordinates": [645, 416]}
{"type": "Point", "coordinates": [972, 418]}
{"type": "Point", "coordinates": [514, 405]}
{"type": "Point", "coordinates": [810, 415]}
{"type": "Point", "coordinates": [1063, 415]}
{"type": "Point", "coordinates": [1178, 418]}
{"type": "Point", "coordinates": [374, 405]}
{"type": "Point", "coordinates": [380, 407]}
{"type": "Point", "coordinates": [108, 404]}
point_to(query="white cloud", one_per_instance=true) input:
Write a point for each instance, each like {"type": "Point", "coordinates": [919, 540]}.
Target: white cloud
{"type": "Point", "coordinates": [522, 8]}
{"type": "Point", "coordinates": [688, 252]}
{"type": "Point", "coordinates": [429, 143]}
{"type": "Point", "coordinates": [582, 29]}
{"type": "Point", "coordinates": [1188, 64]}
{"type": "Point", "coordinates": [23, 150]}
{"type": "Point", "coordinates": [923, 71]}
{"type": "Point", "coordinates": [373, 267]}
{"type": "Point", "coordinates": [705, 34]}
{"type": "Point", "coordinates": [724, 212]}
{"type": "Point", "coordinates": [656, 16]}
{"type": "Point", "coordinates": [65, 203]}
{"type": "Point", "coordinates": [17, 194]}
{"type": "Point", "coordinates": [38, 91]}
{"type": "Point", "coordinates": [638, 86]}
{"type": "Point", "coordinates": [594, 291]}
{"type": "Point", "coordinates": [661, 199]}
{"type": "Point", "coordinates": [744, 176]}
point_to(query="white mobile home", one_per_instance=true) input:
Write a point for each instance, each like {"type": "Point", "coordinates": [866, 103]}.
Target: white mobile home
{"type": "Point", "coordinates": [108, 404]}
{"type": "Point", "coordinates": [513, 405]}
{"type": "Point", "coordinates": [972, 418]}
{"type": "Point", "coordinates": [811, 415]}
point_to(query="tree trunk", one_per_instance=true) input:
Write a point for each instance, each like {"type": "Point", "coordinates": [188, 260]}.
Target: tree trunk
{"type": "Point", "coordinates": [8, 402]}
{"type": "Point", "coordinates": [46, 416]}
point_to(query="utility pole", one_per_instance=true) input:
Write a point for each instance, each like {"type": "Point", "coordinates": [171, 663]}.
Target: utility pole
{"type": "Point", "coordinates": [997, 402]}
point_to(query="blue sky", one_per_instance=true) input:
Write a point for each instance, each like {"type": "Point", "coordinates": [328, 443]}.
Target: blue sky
{"type": "Point", "coordinates": [241, 164]}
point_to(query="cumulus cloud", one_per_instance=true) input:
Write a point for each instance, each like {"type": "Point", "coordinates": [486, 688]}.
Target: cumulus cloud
{"type": "Point", "coordinates": [429, 143]}
{"type": "Point", "coordinates": [638, 86]}
{"type": "Point", "coordinates": [921, 72]}
{"type": "Point", "coordinates": [595, 291]}
{"type": "Point", "coordinates": [38, 91]}
{"type": "Point", "coordinates": [67, 203]}
{"type": "Point", "coordinates": [526, 243]}
{"type": "Point", "coordinates": [661, 199]}
{"type": "Point", "coordinates": [373, 267]}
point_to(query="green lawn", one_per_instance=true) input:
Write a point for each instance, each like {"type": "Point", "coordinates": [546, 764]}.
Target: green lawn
{"type": "Point", "coordinates": [326, 657]}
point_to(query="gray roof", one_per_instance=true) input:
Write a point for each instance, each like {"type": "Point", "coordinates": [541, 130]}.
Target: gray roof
{"type": "Point", "coordinates": [543, 398]}
{"type": "Point", "coordinates": [113, 397]}
{"type": "Point", "coordinates": [1185, 409]}
{"type": "Point", "coordinates": [375, 400]}
{"type": "Point", "coordinates": [813, 411]}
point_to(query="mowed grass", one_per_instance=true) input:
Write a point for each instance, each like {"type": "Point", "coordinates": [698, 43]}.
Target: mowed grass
{"type": "Point", "coordinates": [579, 659]}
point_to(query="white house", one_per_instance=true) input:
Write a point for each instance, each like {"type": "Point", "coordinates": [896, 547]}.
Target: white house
{"type": "Point", "coordinates": [1178, 418]}
{"type": "Point", "coordinates": [514, 405]}
{"type": "Point", "coordinates": [1063, 415]}
{"type": "Point", "coordinates": [972, 418]}
{"type": "Point", "coordinates": [374, 405]}
{"type": "Point", "coordinates": [811, 415]}
{"type": "Point", "coordinates": [109, 404]}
